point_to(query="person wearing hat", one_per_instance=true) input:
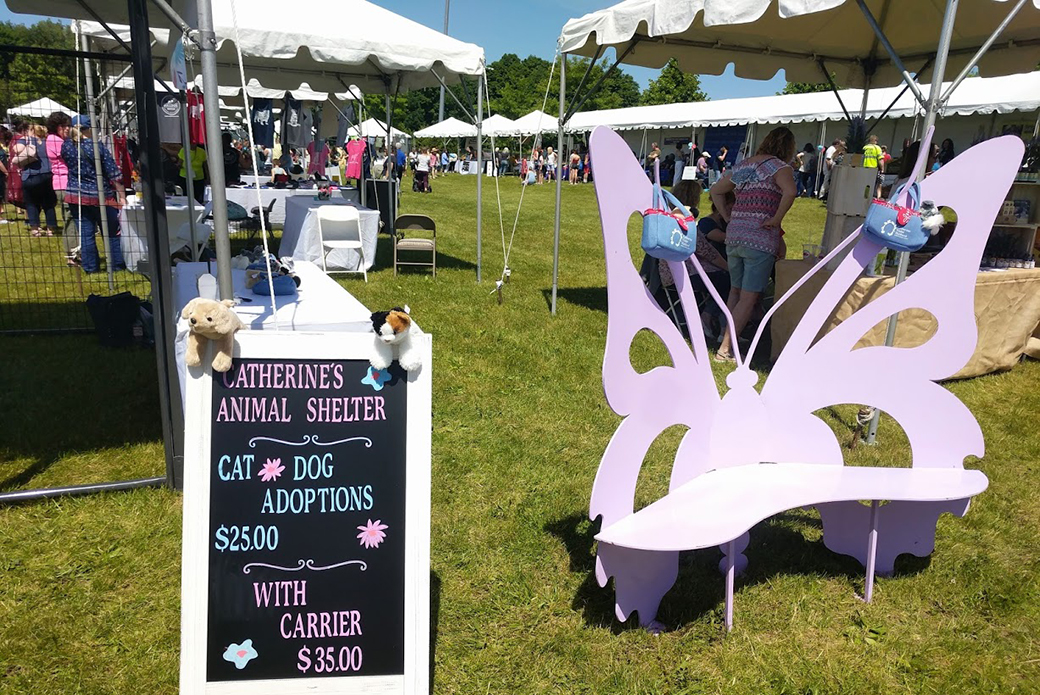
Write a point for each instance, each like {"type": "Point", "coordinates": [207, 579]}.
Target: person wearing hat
{"type": "Point", "coordinates": [82, 194]}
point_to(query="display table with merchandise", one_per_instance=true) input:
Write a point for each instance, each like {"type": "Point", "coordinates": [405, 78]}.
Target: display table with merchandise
{"type": "Point", "coordinates": [321, 304]}
{"type": "Point", "coordinates": [134, 236]}
{"type": "Point", "coordinates": [246, 197]}
{"type": "Point", "coordinates": [1007, 311]}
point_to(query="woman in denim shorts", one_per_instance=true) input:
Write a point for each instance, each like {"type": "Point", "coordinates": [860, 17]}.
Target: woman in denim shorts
{"type": "Point", "coordinates": [764, 188]}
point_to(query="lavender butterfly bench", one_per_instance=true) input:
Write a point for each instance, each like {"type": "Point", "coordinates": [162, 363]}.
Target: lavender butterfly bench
{"type": "Point", "coordinates": [750, 455]}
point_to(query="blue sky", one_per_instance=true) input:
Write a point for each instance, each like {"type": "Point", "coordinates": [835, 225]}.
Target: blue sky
{"type": "Point", "coordinates": [525, 27]}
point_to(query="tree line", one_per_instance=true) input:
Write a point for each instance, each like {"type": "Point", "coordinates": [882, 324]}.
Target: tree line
{"type": "Point", "coordinates": [517, 86]}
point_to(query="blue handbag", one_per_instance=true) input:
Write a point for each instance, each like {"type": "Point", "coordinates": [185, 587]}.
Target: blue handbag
{"type": "Point", "coordinates": [284, 282]}
{"type": "Point", "coordinates": [895, 226]}
{"type": "Point", "coordinates": [666, 236]}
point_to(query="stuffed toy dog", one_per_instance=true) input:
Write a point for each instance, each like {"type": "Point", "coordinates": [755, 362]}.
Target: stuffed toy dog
{"type": "Point", "coordinates": [215, 321]}
{"type": "Point", "coordinates": [393, 339]}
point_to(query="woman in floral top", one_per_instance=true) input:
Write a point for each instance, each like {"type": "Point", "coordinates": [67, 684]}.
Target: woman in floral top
{"type": "Point", "coordinates": [764, 187]}
{"type": "Point", "coordinates": [82, 195]}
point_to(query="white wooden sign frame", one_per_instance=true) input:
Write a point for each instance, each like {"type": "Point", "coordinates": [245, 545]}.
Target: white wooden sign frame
{"type": "Point", "coordinates": [196, 532]}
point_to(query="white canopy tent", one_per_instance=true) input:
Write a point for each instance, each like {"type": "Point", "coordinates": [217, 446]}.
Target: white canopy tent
{"type": "Point", "coordinates": [535, 123]}
{"type": "Point", "coordinates": [761, 37]}
{"type": "Point", "coordinates": [450, 127]}
{"type": "Point", "coordinates": [499, 126]}
{"type": "Point", "coordinates": [332, 47]}
{"type": "Point", "coordinates": [41, 108]}
{"type": "Point", "coordinates": [375, 128]}
{"type": "Point", "coordinates": [867, 43]}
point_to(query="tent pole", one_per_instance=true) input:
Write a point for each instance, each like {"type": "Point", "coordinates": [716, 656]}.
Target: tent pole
{"type": "Point", "coordinates": [189, 169]}
{"type": "Point", "coordinates": [934, 101]}
{"type": "Point", "coordinates": [94, 125]}
{"type": "Point", "coordinates": [819, 158]}
{"type": "Point", "coordinates": [214, 154]}
{"type": "Point", "coordinates": [982, 50]}
{"type": "Point", "coordinates": [480, 172]}
{"type": "Point", "coordinates": [559, 183]}
{"type": "Point", "coordinates": [150, 168]}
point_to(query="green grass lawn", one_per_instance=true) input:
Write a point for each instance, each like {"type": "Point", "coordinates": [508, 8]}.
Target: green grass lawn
{"type": "Point", "coordinates": [89, 587]}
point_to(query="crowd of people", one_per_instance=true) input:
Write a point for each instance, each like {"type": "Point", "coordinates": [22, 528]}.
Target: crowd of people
{"type": "Point", "coordinates": [49, 171]}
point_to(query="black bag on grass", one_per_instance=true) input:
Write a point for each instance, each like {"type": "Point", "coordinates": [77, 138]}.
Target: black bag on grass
{"type": "Point", "coordinates": [114, 318]}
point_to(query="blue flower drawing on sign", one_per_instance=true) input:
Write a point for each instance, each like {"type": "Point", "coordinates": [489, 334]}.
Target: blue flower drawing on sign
{"type": "Point", "coordinates": [240, 654]}
{"type": "Point", "coordinates": [376, 378]}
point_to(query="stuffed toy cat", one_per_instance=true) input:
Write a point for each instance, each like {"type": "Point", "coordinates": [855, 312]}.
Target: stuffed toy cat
{"type": "Point", "coordinates": [393, 339]}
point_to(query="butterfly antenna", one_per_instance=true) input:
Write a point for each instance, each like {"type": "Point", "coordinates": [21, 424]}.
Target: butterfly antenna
{"type": "Point", "coordinates": [722, 305]}
{"type": "Point", "coordinates": [794, 288]}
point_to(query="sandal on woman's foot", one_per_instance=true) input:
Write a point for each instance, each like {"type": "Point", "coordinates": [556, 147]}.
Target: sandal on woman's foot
{"type": "Point", "coordinates": [721, 356]}
{"type": "Point", "coordinates": [48, 232]}
{"type": "Point", "coordinates": [35, 233]}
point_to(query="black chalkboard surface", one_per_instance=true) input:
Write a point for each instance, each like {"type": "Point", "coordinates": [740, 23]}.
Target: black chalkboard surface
{"type": "Point", "coordinates": [307, 521]}
{"type": "Point", "coordinates": [306, 525]}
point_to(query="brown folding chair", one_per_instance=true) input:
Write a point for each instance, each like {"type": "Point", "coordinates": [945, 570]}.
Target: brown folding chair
{"type": "Point", "coordinates": [420, 223]}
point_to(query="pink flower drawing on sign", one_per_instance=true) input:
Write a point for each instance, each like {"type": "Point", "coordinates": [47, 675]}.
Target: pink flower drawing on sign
{"type": "Point", "coordinates": [271, 470]}
{"type": "Point", "coordinates": [372, 534]}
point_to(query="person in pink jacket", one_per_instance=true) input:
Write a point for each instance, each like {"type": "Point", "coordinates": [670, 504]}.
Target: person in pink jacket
{"type": "Point", "coordinates": [58, 125]}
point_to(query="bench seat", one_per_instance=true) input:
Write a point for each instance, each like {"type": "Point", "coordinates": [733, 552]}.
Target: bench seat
{"type": "Point", "coordinates": [719, 506]}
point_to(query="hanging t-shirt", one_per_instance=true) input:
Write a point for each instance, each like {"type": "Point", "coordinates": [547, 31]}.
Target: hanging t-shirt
{"type": "Point", "coordinates": [308, 127]}
{"type": "Point", "coordinates": [122, 156]}
{"type": "Point", "coordinates": [169, 117]}
{"type": "Point", "coordinates": [292, 125]}
{"type": "Point", "coordinates": [263, 122]}
{"type": "Point", "coordinates": [344, 122]}
{"type": "Point", "coordinates": [355, 149]}
{"type": "Point", "coordinates": [196, 119]}
{"type": "Point", "coordinates": [318, 161]}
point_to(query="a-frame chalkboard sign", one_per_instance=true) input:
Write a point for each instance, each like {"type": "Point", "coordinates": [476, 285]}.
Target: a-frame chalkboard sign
{"type": "Point", "coordinates": [306, 521]}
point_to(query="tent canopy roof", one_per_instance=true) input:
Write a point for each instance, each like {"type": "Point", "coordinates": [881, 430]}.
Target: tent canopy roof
{"type": "Point", "coordinates": [975, 95]}
{"type": "Point", "coordinates": [330, 45]}
{"type": "Point", "coordinates": [41, 108]}
{"type": "Point", "coordinates": [499, 126]}
{"type": "Point", "coordinates": [448, 128]}
{"type": "Point", "coordinates": [535, 122]}
{"type": "Point", "coordinates": [760, 37]}
{"type": "Point", "coordinates": [375, 128]}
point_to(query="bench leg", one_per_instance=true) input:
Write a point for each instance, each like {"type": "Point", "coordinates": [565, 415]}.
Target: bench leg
{"type": "Point", "coordinates": [868, 590]}
{"type": "Point", "coordinates": [731, 552]}
{"type": "Point", "coordinates": [641, 579]}
{"type": "Point", "coordinates": [909, 528]}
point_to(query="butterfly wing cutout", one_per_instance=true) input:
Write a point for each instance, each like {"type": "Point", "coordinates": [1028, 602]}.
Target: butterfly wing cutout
{"type": "Point", "coordinates": [682, 394]}
{"type": "Point", "coordinates": [900, 381]}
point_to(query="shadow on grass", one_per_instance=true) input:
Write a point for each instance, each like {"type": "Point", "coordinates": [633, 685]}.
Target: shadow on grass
{"type": "Point", "coordinates": [385, 258]}
{"type": "Point", "coordinates": [65, 394]}
{"type": "Point", "coordinates": [594, 298]}
{"type": "Point", "coordinates": [435, 613]}
{"type": "Point", "coordinates": [777, 548]}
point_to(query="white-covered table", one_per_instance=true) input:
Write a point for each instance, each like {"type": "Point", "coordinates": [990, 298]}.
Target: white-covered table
{"type": "Point", "coordinates": [464, 167]}
{"type": "Point", "coordinates": [321, 304]}
{"type": "Point", "coordinates": [134, 236]}
{"type": "Point", "coordinates": [246, 197]}
{"type": "Point", "coordinates": [300, 234]}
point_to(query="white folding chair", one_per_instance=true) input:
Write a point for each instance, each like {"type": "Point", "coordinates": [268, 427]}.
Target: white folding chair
{"type": "Point", "coordinates": [339, 227]}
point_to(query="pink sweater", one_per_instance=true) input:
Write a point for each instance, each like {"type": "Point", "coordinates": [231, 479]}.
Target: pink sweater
{"type": "Point", "coordinates": [61, 171]}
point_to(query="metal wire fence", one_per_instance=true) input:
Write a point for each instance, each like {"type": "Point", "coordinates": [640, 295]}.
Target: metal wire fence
{"type": "Point", "coordinates": [43, 283]}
